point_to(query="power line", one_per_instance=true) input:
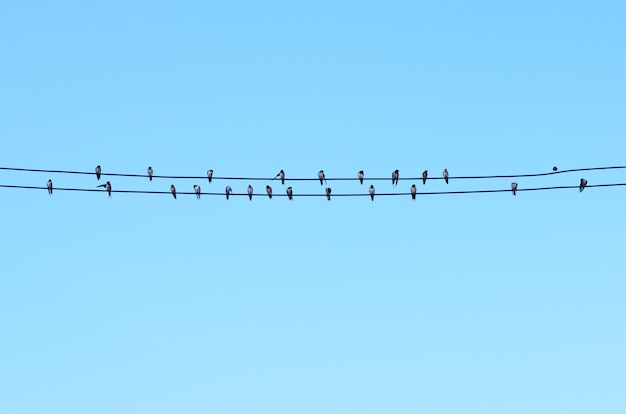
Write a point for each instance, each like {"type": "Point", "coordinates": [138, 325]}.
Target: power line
{"type": "Point", "coordinates": [204, 177]}
{"type": "Point", "coordinates": [90, 190]}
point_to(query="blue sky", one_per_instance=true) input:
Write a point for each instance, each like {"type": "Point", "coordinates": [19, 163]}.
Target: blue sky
{"type": "Point", "coordinates": [483, 303]}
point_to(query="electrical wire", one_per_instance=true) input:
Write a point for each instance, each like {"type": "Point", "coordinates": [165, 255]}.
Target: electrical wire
{"type": "Point", "coordinates": [314, 195]}
{"type": "Point", "coordinates": [204, 177]}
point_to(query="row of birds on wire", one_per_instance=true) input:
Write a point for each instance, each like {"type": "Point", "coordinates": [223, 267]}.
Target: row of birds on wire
{"type": "Point", "coordinates": [395, 176]}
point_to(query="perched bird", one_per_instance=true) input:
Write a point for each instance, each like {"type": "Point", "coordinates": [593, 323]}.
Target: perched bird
{"type": "Point", "coordinates": [554, 168]}
{"type": "Point", "coordinates": [361, 175]}
{"type": "Point", "coordinates": [196, 188]}
{"type": "Point", "coordinates": [328, 190]}
{"type": "Point", "coordinates": [268, 189]}
{"type": "Point", "coordinates": [290, 193]}
{"type": "Point", "coordinates": [413, 191]}
{"type": "Point", "coordinates": [209, 175]}
{"type": "Point", "coordinates": [372, 191]}
{"type": "Point", "coordinates": [280, 174]}
{"type": "Point", "coordinates": [98, 172]}
{"type": "Point", "coordinates": [445, 175]}
{"type": "Point", "coordinates": [394, 177]}
{"type": "Point", "coordinates": [173, 190]}
{"type": "Point", "coordinates": [583, 184]}
{"type": "Point", "coordinates": [107, 186]}
{"type": "Point", "coordinates": [228, 191]}
{"type": "Point", "coordinates": [514, 187]}
{"type": "Point", "coordinates": [150, 172]}
{"type": "Point", "coordinates": [50, 187]}
{"type": "Point", "coordinates": [250, 192]}
{"type": "Point", "coordinates": [322, 177]}
{"type": "Point", "coordinates": [424, 176]}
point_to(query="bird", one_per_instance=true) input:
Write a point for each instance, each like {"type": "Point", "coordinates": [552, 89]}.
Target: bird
{"type": "Point", "coordinates": [328, 190]}
{"type": "Point", "coordinates": [554, 168]}
{"type": "Point", "coordinates": [173, 190]}
{"type": "Point", "coordinates": [372, 191]}
{"type": "Point", "coordinates": [49, 187]}
{"type": "Point", "coordinates": [150, 172]}
{"type": "Point", "coordinates": [361, 175]}
{"type": "Point", "coordinates": [196, 188]}
{"type": "Point", "coordinates": [228, 191]}
{"type": "Point", "coordinates": [394, 177]}
{"type": "Point", "coordinates": [269, 191]}
{"type": "Point", "coordinates": [413, 191]}
{"type": "Point", "coordinates": [290, 193]}
{"type": "Point", "coordinates": [98, 172]}
{"type": "Point", "coordinates": [250, 192]}
{"type": "Point", "coordinates": [209, 175]}
{"type": "Point", "coordinates": [583, 184]}
{"type": "Point", "coordinates": [424, 176]}
{"type": "Point", "coordinates": [322, 177]}
{"type": "Point", "coordinates": [514, 187]}
{"type": "Point", "coordinates": [445, 175]}
{"type": "Point", "coordinates": [107, 186]}
{"type": "Point", "coordinates": [280, 174]}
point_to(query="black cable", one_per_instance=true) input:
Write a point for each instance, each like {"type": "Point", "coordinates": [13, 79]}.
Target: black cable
{"type": "Point", "coordinates": [204, 177]}
{"type": "Point", "coordinates": [223, 194]}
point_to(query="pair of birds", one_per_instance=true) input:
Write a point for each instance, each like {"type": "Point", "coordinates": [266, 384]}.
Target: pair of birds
{"type": "Point", "coordinates": [395, 176]}
{"type": "Point", "coordinates": [581, 186]}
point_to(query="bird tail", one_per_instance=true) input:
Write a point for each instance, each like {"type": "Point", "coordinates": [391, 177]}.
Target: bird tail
{"type": "Point", "coordinates": [150, 178]}
{"type": "Point", "coordinates": [446, 180]}
{"type": "Point", "coordinates": [413, 196]}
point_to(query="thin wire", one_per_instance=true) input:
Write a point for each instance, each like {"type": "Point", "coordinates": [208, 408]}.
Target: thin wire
{"type": "Point", "coordinates": [204, 177]}
{"type": "Point", "coordinates": [314, 195]}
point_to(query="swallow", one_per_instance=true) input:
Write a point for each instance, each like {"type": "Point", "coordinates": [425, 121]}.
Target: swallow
{"type": "Point", "coordinates": [107, 186]}
{"type": "Point", "coordinates": [372, 191]}
{"type": "Point", "coordinates": [424, 176]}
{"type": "Point", "coordinates": [209, 175]}
{"type": "Point", "coordinates": [328, 190]}
{"type": "Point", "coordinates": [583, 184]}
{"type": "Point", "coordinates": [50, 187]}
{"type": "Point", "coordinates": [268, 189]}
{"type": "Point", "coordinates": [150, 172]}
{"type": "Point", "coordinates": [445, 175]}
{"type": "Point", "coordinates": [290, 193]}
{"type": "Point", "coordinates": [98, 172]}
{"type": "Point", "coordinates": [250, 192]}
{"type": "Point", "coordinates": [173, 190]}
{"type": "Point", "coordinates": [514, 187]}
{"type": "Point", "coordinates": [196, 188]}
{"type": "Point", "coordinates": [322, 177]}
{"type": "Point", "coordinates": [413, 191]}
{"type": "Point", "coordinates": [228, 191]}
{"type": "Point", "coordinates": [554, 168]}
{"type": "Point", "coordinates": [394, 177]}
{"type": "Point", "coordinates": [361, 175]}
{"type": "Point", "coordinates": [280, 174]}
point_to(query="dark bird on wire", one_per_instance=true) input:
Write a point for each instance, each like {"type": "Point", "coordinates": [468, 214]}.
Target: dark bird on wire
{"type": "Point", "coordinates": [413, 191]}
{"type": "Point", "coordinates": [107, 186]}
{"type": "Point", "coordinates": [98, 172]}
{"type": "Point", "coordinates": [289, 193]}
{"type": "Point", "coordinates": [328, 190]}
{"type": "Point", "coordinates": [554, 168]}
{"type": "Point", "coordinates": [173, 190]}
{"type": "Point", "coordinates": [49, 187]}
{"type": "Point", "coordinates": [196, 188]}
{"type": "Point", "coordinates": [445, 175]}
{"type": "Point", "coordinates": [209, 175]}
{"type": "Point", "coordinates": [269, 191]}
{"type": "Point", "coordinates": [150, 172]}
{"type": "Point", "coordinates": [322, 177]}
{"type": "Point", "coordinates": [394, 177]}
{"type": "Point", "coordinates": [372, 191]}
{"type": "Point", "coordinates": [228, 191]}
{"type": "Point", "coordinates": [583, 184]}
{"type": "Point", "coordinates": [280, 174]}
{"type": "Point", "coordinates": [250, 192]}
{"type": "Point", "coordinates": [424, 176]}
{"type": "Point", "coordinates": [514, 187]}
{"type": "Point", "coordinates": [361, 175]}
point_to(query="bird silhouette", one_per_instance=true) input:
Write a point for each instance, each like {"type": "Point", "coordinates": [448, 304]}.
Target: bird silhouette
{"type": "Point", "coordinates": [196, 189]}
{"type": "Point", "coordinates": [394, 177]}
{"type": "Point", "coordinates": [289, 193]}
{"type": "Point", "coordinates": [514, 188]}
{"type": "Point", "coordinates": [424, 176]}
{"type": "Point", "coordinates": [445, 175]}
{"type": "Point", "coordinates": [228, 191]}
{"type": "Point", "coordinates": [361, 175]}
{"type": "Point", "coordinates": [268, 189]}
{"type": "Point", "coordinates": [372, 191]}
{"type": "Point", "coordinates": [322, 177]}
{"type": "Point", "coordinates": [280, 174]}
{"type": "Point", "coordinates": [49, 187]}
{"type": "Point", "coordinates": [173, 190]}
{"type": "Point", "coordinates": [150, 172]}
{"type": "Point", "coordinates": [328, 191]}
{"type": "Point", "coordinates": [413, 191]}
{"type": "Point", "coordinates": [98, 172]}
{"type": "Point", "coordinates": [250, 192]}
{"type": "Point", "coordinates": [583, 184]}
{"type": "Point", "coordinates": [107, 186]}
{"type": "Point", "coordinates": [209, 175]}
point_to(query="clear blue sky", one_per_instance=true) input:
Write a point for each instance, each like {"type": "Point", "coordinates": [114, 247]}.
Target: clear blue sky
{"type": "Point", "coordinates": [448, 304]}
